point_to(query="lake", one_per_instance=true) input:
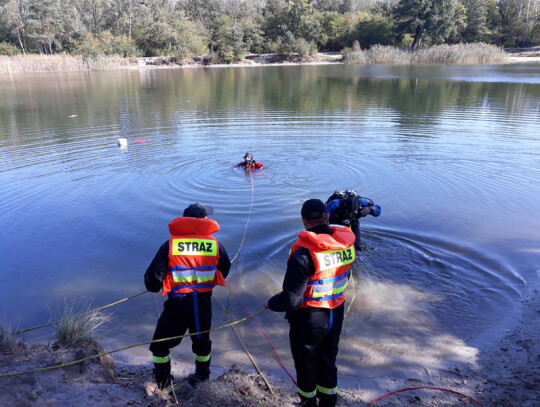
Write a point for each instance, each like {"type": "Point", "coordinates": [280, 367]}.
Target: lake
{"type": "Point", "coordinates": [450, 153]}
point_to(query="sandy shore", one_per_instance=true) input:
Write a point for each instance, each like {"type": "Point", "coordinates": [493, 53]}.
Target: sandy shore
{"type": "Point", "coordinates": [503, 371]}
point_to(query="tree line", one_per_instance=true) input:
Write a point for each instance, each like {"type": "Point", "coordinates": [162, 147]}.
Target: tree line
{"type": "Point", "coordinates": [227, 30]}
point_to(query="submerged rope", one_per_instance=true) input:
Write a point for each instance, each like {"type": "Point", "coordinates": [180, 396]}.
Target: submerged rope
{"type": "Point", "coordinates": [247, 222]}
{"type": "Point", "coordinates": [129, 347]}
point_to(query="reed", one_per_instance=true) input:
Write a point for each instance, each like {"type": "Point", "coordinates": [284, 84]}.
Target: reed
{"type": "Point", "coordinates": [477, 53]}
{"type": "Point", "coordinates": [8, 336]}
{"type": "Point", "coordinates": [77, 327]}
{"type": "Point", "coordinates": [60, 63]}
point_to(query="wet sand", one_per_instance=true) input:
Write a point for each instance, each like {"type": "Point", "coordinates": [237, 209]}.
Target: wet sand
{"type": "Point", "coordinates": [504, 370]}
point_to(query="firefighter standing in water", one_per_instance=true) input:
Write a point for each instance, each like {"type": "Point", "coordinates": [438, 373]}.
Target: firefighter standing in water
{"type": "Point", "coordinates": [313, 299]}
{"type": "Point", "coordinates": [347, 207]}
{"type": "Point", "coordinates": [186, 268]}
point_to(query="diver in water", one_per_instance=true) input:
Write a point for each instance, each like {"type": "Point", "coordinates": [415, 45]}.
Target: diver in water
{"type": "Point", "coordinates": [249, 163]}
{"type": "Point", "coordinates": [347, 207]}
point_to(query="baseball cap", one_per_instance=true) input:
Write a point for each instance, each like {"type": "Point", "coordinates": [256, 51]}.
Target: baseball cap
{"type": "Point", "coordinates": [196, 210]}
{"type": "Point", "coordinates": [313, 209]}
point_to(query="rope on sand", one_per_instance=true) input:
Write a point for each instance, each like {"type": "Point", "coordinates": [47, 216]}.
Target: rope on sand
{"type": "Point", "coordinates": [128, 347]}
{"type": "Point", "coordinates": [247, 351]}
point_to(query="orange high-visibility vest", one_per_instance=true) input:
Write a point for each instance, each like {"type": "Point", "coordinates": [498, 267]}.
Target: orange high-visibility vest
{"type": "Point", "coordinates": [193, 257]}
{"type": "Point", "coordinates": [332, 256]}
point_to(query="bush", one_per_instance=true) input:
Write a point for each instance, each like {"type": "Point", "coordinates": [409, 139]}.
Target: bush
{"type": "Point", "coordinates": [89, 46]}
{"type": "Point", "coordinates": [7, 49]}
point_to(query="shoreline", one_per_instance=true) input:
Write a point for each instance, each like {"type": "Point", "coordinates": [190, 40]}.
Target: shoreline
{"type": "Point", "coordinates": [67, 63]}
{"type": "Point", "coordinates": [501, 372]}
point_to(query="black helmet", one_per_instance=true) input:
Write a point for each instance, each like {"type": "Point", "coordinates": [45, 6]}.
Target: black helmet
{"type": "Point", "coordinates": [248, 157]}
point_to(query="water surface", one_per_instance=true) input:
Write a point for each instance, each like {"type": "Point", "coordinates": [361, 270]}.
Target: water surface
{"type": "Point", "coordinates": [450, 154]}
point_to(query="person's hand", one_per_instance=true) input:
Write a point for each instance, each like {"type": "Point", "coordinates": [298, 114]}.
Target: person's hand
{"type": "Point", "coordinates": [365, 211]}
{"type": "Point", "coordinates": [266, 303]}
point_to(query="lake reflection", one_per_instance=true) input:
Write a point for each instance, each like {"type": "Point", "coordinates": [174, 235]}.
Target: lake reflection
{"type": "Point", "coordinates": [450, 153]}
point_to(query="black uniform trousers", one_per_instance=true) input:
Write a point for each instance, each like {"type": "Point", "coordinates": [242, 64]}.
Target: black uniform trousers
{"type": "Point", "coordinates": [193, 312]}
{"type": "Point", "coordinates": [314, 338]}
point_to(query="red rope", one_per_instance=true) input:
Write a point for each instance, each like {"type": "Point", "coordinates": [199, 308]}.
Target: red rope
{"type": "Point", "coordinates": [425, 387]}
{"type": "Point", "coordinates": [262, 330]}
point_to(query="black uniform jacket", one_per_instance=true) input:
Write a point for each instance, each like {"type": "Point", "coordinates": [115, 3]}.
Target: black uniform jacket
{"type": "Point", "coordinates": [153, 278]}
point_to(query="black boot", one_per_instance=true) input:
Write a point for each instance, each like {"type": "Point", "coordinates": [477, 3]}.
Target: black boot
{"type": "Point", "coordinates": [327, 400]}
{"type": "Point", "coordinates": [307, 402]}
{"type": "Point", "coordinates": [162, 375]}
{"type": "Point", "coordinates": [202, 373]}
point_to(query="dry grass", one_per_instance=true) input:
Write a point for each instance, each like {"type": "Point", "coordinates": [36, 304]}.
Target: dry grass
{"type": "Point", "coordinates": [60, 63]}
{"type": "Point", "coordinates": [439, 54]}
{"type": "Point", "coordinates": [8, 336]}
{"type": "Point", "coordinates": [77, 327]}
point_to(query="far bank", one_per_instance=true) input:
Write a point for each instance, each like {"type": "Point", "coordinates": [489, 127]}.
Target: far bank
{"type": "Point", "coordinates": [461, 54]}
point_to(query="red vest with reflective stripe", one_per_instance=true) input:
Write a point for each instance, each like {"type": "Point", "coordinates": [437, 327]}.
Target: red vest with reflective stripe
{"type": "Point", "coordinates": [332, 256]}
{"type": "Point", "coordinates": [193, 257]}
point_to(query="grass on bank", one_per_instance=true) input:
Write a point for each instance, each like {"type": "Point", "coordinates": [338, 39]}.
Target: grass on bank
{"type": "Point", "coordinates": [61, 63]}
{"type": "Point", "coordinates": [77, 326]}
{"type": "Point", "coordinates": [8, 336]}
{"type": "Point", "coordinates": [477, 53]}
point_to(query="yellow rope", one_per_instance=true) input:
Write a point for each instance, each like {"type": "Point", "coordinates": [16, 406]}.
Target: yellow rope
{"type": "Point", "coordinates": [247, 222]}
{"type": "Point", "coordinates": [128, 347]}
{"type": "Point", "coordinates": [143, 292]}
{"type": "Point", "coordinates": [352, 300]}
{"type": "Point", "coordinates": [247, 351]}
{"type": "Point", "coordinates": [84, 313]}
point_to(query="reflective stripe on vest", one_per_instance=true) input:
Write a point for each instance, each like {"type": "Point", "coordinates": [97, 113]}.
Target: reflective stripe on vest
{"type": "Point", "coordinates": [327, 289]}
{"type": "Point", "coordinates": [190, 274]}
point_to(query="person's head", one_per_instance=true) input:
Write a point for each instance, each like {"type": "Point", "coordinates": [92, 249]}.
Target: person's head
{"type": "Point", "coordinates": [196, 210]}
{"type": "Point", "coordinates": [248, 157]}
{"type": "Point", "coordinates": [314, 213]}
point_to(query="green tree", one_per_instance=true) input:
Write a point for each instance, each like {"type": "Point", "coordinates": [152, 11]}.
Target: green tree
{"type": "Point", "coordinates": [92, 14]}
{"type": "Point", "coordinates": [253, 35]}
{"type": "Point", "coordinates": [334, 30]}
{"type": "Point", "coordinates": [228, 40]}
{"type": "Point", "coordinates": [52, 25]}
{"type": "Point", "coordinates": [14, 20]}
{"type": "Point", "coordinates": [476, 29]}
{"type": "Point", "coordinates": [426, 18]}
{"type": "Point", "coordinates": [205, 12]}
{"type": "Point", "coordinates": [375, 30]}
{"type": "Point", "coordinates": [168, 31]}
{"type": "Point", "coordinates": [520, 22]}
